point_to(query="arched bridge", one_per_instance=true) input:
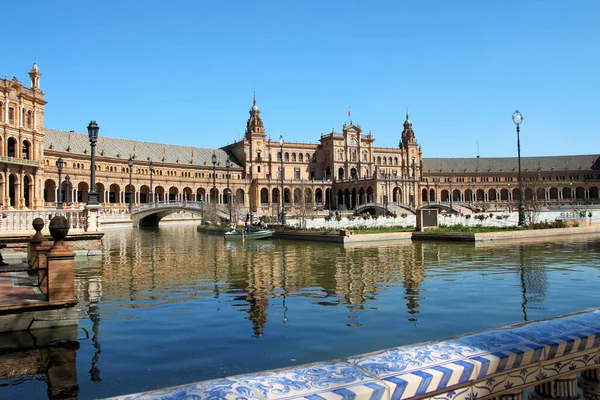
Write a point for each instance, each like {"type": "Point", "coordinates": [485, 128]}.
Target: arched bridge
{"type": "Point", "coordinates": [455, 208]}
{"type": "Point", "coordinates": [387, 209]}
{"type": "Point", "coordinates": [150, 215]}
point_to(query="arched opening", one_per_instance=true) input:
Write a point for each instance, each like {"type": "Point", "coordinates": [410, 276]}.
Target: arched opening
{"type": "Point", "coordinates": [200, 194]}
{"type": "Point", "coordinates": [492, 194]}
{"type": "Point", "coordinates": [297, 196]}
{"type": "Point", "coordinates": [275, 196]}
{"type": "Point", "coordinates": [432, 195]}
{"type": "Point", "coordinates": [129, 194]}
{"type": "Point", "coordinates": [594, 192]}
{"type": "Point", "coordinates": [12, 147]}
{"type": "Point", "coordinates": [504, 194]}
{"type": "Point", "coordinates": [353, 173]}
{"type": "Point", "coordinates": [264, 197]}
{"type": "Point", "coordinates": [114, 193]}
{"type": "Point", "coordinates": [328, 174]}
{"type": "Point", "coordinates": [173, 193]}
{"type": "Point", "coordinates": [26, 150]}
{"type": "Point", "coordinates": [27, 191]}
{"type": "Point", "coordinates": [444, 195]}
{"type": "Point", "coordinates": [81, 195]}
{"type": "Point", "coordinates": [49, 191]}
{"type": "Point", "coordinates": [239, 196]}
{"type": "Point", "coordinates": [353, 200]}
{"type": "Point", "coordinates": [319, 196]}
{"type": "Point", "coordinates": [187, 194]}
{"type": "Point", "coordinates": [340, 198]}
{"type": "Point", "coordinates": [101, 192]}
{"type": "Point", "coordinates": [328, 199]}
{"type": "Point", "coordinates": [424, 195]}
{"type": "Point", "coordinates": [287, 196]}
{"type": "Point", "coordinates": [159, 193]}
{"type": "Point", "coordinates": [370, 196]}
{"type": "Point", "coordinates": [12, 189]}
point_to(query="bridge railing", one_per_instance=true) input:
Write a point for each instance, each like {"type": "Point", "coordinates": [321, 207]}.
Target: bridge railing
{"type": "Point", "coordinates": [166, 204]}
{"type": "Point", "coordinates": [555, 357]}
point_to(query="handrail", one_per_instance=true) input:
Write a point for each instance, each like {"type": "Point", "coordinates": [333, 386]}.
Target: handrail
{"type": "Point", "coordinates": [546, 354]}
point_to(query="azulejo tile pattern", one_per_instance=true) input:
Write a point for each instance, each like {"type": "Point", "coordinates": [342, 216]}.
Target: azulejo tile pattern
{"type": "Point", "coordinates": [470, 367]}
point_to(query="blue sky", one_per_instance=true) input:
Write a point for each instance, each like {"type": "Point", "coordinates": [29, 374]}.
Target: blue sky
{"type": "Point", "coordinates": [184, 72]}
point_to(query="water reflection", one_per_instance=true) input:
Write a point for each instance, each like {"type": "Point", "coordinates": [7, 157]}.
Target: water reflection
{"type": "Point", "coordinates": [47, 355]}
{"type": "Point", "coordinates": [170, 305]}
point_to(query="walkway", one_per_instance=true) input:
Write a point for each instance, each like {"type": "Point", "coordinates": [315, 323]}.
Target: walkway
{"type": "Point", "coordinates": [18, 286]}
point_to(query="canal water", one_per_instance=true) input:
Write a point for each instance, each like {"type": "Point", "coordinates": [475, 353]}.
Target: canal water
{"type": "Point", "coordinates": [172, 306]}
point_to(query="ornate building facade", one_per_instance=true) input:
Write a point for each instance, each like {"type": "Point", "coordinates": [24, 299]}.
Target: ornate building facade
{"type": "Point", "coordinates": [344, 170]}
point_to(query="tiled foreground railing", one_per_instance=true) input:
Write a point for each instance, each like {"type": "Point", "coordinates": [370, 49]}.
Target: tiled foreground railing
{"type": "Point", "coordinates": [553, 356]}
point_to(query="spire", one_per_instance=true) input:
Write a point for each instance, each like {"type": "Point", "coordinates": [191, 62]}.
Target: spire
{"type": "Point", "coordinates": [408, 135]}
{"type": "Point", "coordinates": [254, 124]}
{"type": "Point", "coordinates": [34, 75]}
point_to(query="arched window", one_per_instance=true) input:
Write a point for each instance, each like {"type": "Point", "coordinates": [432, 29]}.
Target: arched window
{"type": "Point", "coordinates": [278, 156]}
{"type": "Point", "coordinates": [384, 161]}
{"type": "Point", "coordinates": [395, 160]}
{"type": "Point", "coordinates": [294, 157]}
{"type": "Point", "coordinates": [25, 150]}
{"type": "Point", "coordinates": [287, 156]}
{"type": "Point", "coordinates": [28, 119]}
{"type": "Point", "coordinates": [300, 157]}
{"type": "Point", "coordinates": [307, 157]}
{"type": "Point", "coordinates": [378, 160]}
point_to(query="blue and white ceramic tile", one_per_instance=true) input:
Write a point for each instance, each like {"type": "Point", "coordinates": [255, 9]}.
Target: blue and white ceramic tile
{"type": "Point", "coordinates": [433, 379]}
{"type": "Point", "coordinates": [498, 351]}
{"type": "Point", "coordinates": [368, 391]}
{"type": "Point", "coordinates": [590, 318]}
{"type": "Point", "coordinates": [463, 393]}
{"type": "Point", "coordinates": [564, 365]}
{"type": "Point", "coordinates": [511, 381]}
{"type": "Point", "coordinates": [408, 358]}
{"type": "Point", "coordinates": [217, 389]}
{"type": "Point", "coordinates": [560, 336]}
{"type": "Point", "coordinates": [321, 379]}
{"type": "Point", "coordinates": [420, 369]}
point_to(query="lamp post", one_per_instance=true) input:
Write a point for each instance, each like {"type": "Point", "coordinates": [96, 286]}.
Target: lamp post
{"type": "Point", "coordinates": [451, 195]}
{"type": "Point", "coordinates": [59, 165]}
{"type": "Point", "coordinates": [130, 164]}
{"type": "Point", "coordinates": [250, 197]}
{"type": "Point", "coordinates": [151, 168]}
{"type": "Point", "coordinates": [214, 188]}
{"type": "Point", "coordinates": [93, 129]}
{"type": "Point", "coordinates": [229, 197]}
{"type": "Point", "coordinates": [518, 119]}
{"type": "Point", "coordinates": [282, 214]}
{"type": "Point", "coordinates": [67, 189]}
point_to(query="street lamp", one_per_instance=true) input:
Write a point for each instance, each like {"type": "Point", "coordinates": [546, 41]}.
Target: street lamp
{"type": "Point", "coordinates": [518, 119]}
{"type": "Point", "coordinates": [151, 168]}
{"type": "Point", "coordinates": [130, 164]}
{"type": "Point", "coordinates": [93, 129]}
{"type": "Point", "coordinates": [229, 197]}
{"type": "Point", "coordinates": [67, 189]}
{"type": "Point", "coordinates": [214, 188]}
{"type": "Point", "coordinates": [451, 195]}
{"type": "Point", "coordinates": [282, 214]}
{"type": "Point", "coordinates": [59, 165]}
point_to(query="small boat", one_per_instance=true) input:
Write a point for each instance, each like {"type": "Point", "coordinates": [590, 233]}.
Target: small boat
{"type": "Point", "coordinates": [255, 235]}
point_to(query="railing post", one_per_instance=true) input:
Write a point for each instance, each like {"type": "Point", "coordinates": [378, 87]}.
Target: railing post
{"type": "Point", "coordinates": [589, 382]}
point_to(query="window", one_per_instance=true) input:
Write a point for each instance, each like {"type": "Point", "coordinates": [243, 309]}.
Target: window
{"type": "Point", "coordinates": [11, 115]}
{"type": "Point", "coordinates": [297, 173]}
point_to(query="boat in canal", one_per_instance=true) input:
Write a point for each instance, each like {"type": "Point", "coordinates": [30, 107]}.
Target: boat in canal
{"type": "Point", "coordinates": [253, 235]}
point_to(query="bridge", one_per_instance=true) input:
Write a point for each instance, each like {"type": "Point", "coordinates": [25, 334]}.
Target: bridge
{"type": "Point", "coordinates": [454, 208]}
{"type": "Point", "coordinates": [149, 215]}
{"type": "Point", "coordinates": [382, 208]}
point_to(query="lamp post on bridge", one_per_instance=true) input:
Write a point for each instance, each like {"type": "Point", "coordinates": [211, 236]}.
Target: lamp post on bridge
{"type": "Point", "coordinates": [67, 189]}
{"type": "Point", "coordinates": [518, 119]}
{"type": "Point", "coordinates": [93, 129]}
{"type": "Point", "coordinates": [229, 196]}
{"type": "Point", "coordinates": [151, 168]}
{"type": "Point", "coordinates": [282, 213]}
{"type": "Point", "coordinates": [213, 194]}
{"type": "Point", "coordinates": [59, 165]}
{"type": "Point", "coordinates": [130, 164]}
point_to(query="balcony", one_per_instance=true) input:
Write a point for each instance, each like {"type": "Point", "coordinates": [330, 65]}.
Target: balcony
{"type": "Point", "coordinates": [19, 161]}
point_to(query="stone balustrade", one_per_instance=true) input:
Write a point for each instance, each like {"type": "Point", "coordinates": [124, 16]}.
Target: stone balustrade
{"type": "Point", "coordinates": [553, 357]}
{"type": "Point", "coordinates": [21, 220]}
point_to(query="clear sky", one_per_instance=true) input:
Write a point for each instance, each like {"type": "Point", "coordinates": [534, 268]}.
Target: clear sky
{"type": "Point", "coordinates": [184, 72]}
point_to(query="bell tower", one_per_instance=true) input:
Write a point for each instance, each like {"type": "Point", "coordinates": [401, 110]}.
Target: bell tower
{"type": "Point", "coordinates": [35, 75]}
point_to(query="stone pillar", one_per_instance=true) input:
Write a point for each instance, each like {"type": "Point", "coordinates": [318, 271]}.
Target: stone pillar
{"type": "Point", "coordinates": [61, 265]}
{"type": "Point", "coordinates": [589, 382]}
{"type": "Point", "coordinates": [92, 212]}
{"type": "Point", "coordinates": [564, 388]}
{"type": "Point", "coordinates": [34, 242]}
